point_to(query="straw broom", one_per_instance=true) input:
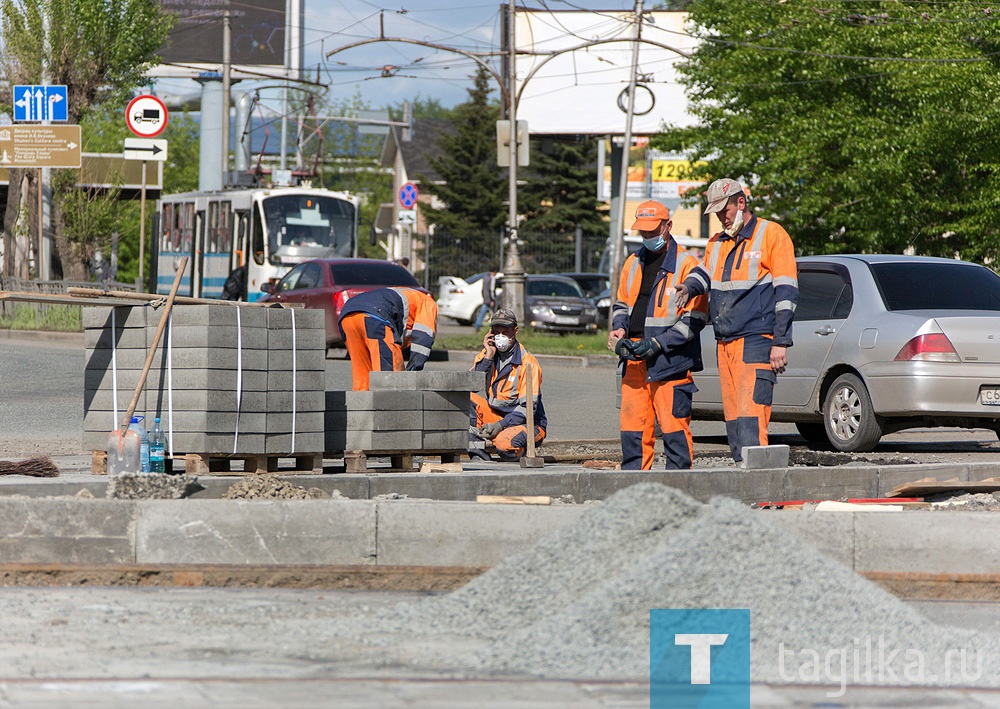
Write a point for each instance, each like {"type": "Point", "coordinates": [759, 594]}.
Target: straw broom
{"type": "Point", "coordinates": [39, 467]}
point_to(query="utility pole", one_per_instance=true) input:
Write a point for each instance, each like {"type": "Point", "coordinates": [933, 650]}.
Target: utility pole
{"type": "Point", "coordinates": [619, 217]}
{"type": "Point", "coordinates": [513, 270]}
{"type": "Point", "coordinates": [227, 48]}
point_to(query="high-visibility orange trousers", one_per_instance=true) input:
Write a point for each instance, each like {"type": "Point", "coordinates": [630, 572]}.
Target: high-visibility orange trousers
{"type": "Point", "coordinates": [747, 390]}
{"type": "Point", "coordinates": [513, 439]}
{"type": "Point", "coordinates": [643, 404]}
{"type": "Point", "coordinates": [371, 347]}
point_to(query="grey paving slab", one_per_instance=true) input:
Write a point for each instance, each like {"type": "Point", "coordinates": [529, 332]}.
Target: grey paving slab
{"type": "Point", "coordinates": [927, 541]}
{"type": "Point", "coordinates": [300, 442]}
{"type": "Point", "coordinates": [224, 379]}
{"type": "Point", "coordinates": [256, 532]}
{"type": "Point", "coordinates": [600, 484]}
{"type": "Point", "coordinates": [427, 381]}
{"type": "Point", "coordinates": [830, 532]}
{"type": "Point", "coordinates": [456, 533]}
{"type": "Point", "coordinates": [98, 339]}
{"type": "Point", "coordinates": [307, 380]}
{"type": "Point", "coordinates": [306, 343]}
{"type": "Point", "coordinates": [213, 315]}
{"type": "Point", "coordinates": [765, 457]}
{"type": "Point", "coordinates": [197, 358]}
{"type": "Point", "coordinates": [340, 440]}
{"type": "Point", "coordinates": [67, 531]}
{"type": "Point", "coordinates": [445, 440]}
{"type": "Point", "coordinates": [445, 401]}
{"type": "Point", "coordinates": [132, 316]}
{"type": "Point", "coordinates": [745, 485]}
{"type": "Point", "coordinates": [445, 420]}
{"type": "Point", "coordinates": [228, 336]}
{"type": "Point", "coordinates": [852, 481]}
{"type": "Point", "coordinates": [305, 319]}
{"type": "Point", "coordinates": [337, 400]}
{"type": "Point", "coordinates": [303, 400]}
{"type": "Point", "coordinates": [376, 420]}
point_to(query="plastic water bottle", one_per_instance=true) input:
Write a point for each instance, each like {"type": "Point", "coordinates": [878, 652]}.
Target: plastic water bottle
{"type": "Point", "coordinates": [156, 457]}
{"type": "Point", "coordinates": [137, 426]}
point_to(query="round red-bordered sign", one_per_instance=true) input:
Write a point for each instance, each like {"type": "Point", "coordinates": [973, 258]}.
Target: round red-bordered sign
{"type": "Point", "coordinates": [146, 116]}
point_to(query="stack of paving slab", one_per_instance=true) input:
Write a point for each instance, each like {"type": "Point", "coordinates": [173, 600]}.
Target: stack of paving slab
{"type": "Point", "coordinates": [403, 412]}
{"type": "Point", "coordinates": [226, 380]}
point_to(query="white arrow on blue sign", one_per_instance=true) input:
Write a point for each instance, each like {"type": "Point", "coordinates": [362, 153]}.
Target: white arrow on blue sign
{"type": "Point", "coordinates": [41, 103]}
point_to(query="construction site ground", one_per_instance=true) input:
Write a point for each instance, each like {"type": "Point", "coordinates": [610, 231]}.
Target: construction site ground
{"type": "Point", "coordinates": [211, 601]}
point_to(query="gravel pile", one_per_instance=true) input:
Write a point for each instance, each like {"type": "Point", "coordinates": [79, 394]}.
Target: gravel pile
{"type": "Point", "coordinates": [966, 502]}
{"type": "Point", "coordinates": [152, 486]}
{"type": "Point", "coordinates": [269, 487]}
{"type": "Point", "coordinates": [577, 603]}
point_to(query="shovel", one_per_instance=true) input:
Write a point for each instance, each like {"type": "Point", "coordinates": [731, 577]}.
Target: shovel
{"type": "Point", "coordinates": [118, 458]}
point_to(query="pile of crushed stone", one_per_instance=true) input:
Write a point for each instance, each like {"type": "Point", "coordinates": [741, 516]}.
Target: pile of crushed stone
{"type": "Point", "coordinates": [576, 604]}
{"type": "Point", "coordinates": [152, 486]}
{"type": "Point", "coordinates": [965, 502]}
{"type": "Point", "coordinates": [270, 487]}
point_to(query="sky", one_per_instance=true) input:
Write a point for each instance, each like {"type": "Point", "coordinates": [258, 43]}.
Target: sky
{"type": "Point", "coordinates": [412, 71]}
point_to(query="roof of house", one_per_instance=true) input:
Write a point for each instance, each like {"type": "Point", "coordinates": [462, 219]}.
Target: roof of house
{"type": "Point", "coordinates": [415, 152]}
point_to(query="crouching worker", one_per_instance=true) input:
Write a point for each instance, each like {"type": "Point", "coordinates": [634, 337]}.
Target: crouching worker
{"type": "Point", "coordinates": [378, 324]}
{"type": "Point", "coordinates": [501, 417]}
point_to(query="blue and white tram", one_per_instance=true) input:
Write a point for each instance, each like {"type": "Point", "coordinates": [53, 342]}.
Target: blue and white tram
{"type": "Point", "coordinates": [267, 230]}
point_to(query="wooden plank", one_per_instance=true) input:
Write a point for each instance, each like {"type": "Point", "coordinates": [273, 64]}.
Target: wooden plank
{"type": "Point", "coordinates": [930, 486]}
{"type": "Point", "coordinates": [514, 499]}
{"type": "Point", "coordinates": [431, 467]}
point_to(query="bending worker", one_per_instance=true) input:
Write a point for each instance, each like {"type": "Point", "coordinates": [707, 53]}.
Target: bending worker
{"type": "Point", "coordinates": [658, 342]}
{"type": "Point", "coordinates": [749, 274]}
{"type": "Point", "coordinates": [502, 416]}
{"type": "Point", "coordinates": [378, 324]}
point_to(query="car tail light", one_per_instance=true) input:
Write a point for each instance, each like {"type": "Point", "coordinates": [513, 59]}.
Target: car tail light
{"type": "Point", "coordinates": [935, 347]}
{"type": "Point", "coordinates": [339, 298]}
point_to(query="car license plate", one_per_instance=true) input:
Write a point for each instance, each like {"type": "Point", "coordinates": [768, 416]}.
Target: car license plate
{"type": "Point", "coordinates": [570, 320]}
{"type": "Point", "coordinates": [989, 396]}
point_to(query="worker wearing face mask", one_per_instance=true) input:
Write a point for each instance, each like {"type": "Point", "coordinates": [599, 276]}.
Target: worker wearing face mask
{"type": "Point", "coordinates": [658, 344]}
{"type": "Point", "coordinates": [750, 277]}
{"type": "Point", "coordinates": [501, 416]}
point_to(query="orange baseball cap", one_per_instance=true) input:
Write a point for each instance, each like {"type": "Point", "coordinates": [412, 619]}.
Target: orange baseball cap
{"type": "Point", "coordinates": [648, 216]}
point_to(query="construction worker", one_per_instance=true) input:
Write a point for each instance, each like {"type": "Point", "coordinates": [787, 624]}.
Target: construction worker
{"type": "Point", "coordinates": [749, 275]}
{"type": "Point", "coordinates": [378, 324]}
{"type": "Point", "coordinates": [501, 416]}
{"type": "Point", "coordinates": [658, 343]}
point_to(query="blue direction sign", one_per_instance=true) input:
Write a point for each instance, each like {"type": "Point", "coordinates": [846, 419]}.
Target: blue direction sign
{"type": "Point", "coordinates": [408, 195]}
{"type": "Point", "coordinates": [41, 103]}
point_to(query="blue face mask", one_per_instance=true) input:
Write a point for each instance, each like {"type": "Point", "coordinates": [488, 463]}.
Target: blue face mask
{"type": "Point", "coordinates": [654, 244]}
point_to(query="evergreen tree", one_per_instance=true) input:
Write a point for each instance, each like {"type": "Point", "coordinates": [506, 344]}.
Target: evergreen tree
{"type": "Point", "coordinates": [558, 196]}
{"type": "Point", "coordinates": [470, 184]}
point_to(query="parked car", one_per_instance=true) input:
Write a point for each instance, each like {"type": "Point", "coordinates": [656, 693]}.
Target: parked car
{"type": "Point", "coordinates": [327, 283]}
{"type": "Point", "coordinates": [590, 283]}
{"type": "Point", "coordinates": [883, 343]}
{"type": "Point", "coordinates": [557, 304]}
{"type": "Point", "coordinates": [461, 298]}
{"type": "Point", "coordinates": [602, 301]}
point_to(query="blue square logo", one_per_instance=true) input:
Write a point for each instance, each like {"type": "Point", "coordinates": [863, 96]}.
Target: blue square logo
{"type": "Point", "coordinates": [699, 659]}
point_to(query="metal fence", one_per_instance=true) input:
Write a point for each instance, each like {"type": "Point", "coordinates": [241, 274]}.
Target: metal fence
{"type": "Point", "coordinates": [24, 285]}
{"type": "Point", "coordinates": [541, 252]}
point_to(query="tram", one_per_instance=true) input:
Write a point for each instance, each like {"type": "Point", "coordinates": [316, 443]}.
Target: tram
{"type": "Point", "coordinates": [264, 230]}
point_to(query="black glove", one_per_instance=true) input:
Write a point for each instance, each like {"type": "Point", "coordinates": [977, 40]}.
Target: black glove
{"type": "Point", "coordinates": [490, 430]}
{"type": "Point", "coordinates": [646, 349]}
{"type": "Point", "coordinates": [624, 348]}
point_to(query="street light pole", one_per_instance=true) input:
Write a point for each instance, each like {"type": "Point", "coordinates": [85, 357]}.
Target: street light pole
{"type": "Point", "coordinates": [513, 270]}
{"type": "Point", "coordinates": [619, 217]}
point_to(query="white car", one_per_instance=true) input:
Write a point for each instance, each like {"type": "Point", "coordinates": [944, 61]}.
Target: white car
{"type": "Point", "coordinates": [461, 298]}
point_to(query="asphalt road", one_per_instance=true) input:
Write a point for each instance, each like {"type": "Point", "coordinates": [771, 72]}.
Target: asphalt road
{"type": "Point", "coordinates": [42, 406]}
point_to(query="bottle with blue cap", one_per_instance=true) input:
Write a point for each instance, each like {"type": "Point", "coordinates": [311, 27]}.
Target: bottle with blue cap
{"type": "Point", "coordinates": [136, 425]}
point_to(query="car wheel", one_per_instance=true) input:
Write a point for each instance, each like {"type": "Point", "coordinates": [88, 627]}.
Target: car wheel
{"type": "Point", "coordinates": [814, 433]}
{"type": "Point", "coordinates": [849, 417]}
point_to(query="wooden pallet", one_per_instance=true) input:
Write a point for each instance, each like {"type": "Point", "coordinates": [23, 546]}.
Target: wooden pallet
{"type": "Point", "coordinates": [400, 461]}
{"type": "Point", "coordinates": [221, 464]}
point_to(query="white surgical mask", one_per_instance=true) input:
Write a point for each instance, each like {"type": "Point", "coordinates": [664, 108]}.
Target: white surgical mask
{"type": "Point", "coordinates": [502, 342]}
{"type": "Point", "coordinates": [737, 224]}
{"type": "Point", "coordinates": [655, 244]}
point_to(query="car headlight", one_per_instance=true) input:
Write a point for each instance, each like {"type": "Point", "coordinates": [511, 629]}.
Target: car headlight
{"type": "Point", "coordinates": [541, 311]}
{"type": "Point", "coordinates": [604, 303]}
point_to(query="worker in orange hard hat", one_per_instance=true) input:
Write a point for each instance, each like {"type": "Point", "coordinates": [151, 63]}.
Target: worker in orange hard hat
{"type": "Point", "coordinates": [658, 343]}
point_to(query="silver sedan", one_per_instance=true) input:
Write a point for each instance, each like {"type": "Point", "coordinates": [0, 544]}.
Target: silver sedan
{"type": "Point", "coordinates": [882, 343]}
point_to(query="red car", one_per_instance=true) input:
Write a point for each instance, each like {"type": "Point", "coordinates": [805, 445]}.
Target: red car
{"type": "Point", "coordinates": [327, 283]}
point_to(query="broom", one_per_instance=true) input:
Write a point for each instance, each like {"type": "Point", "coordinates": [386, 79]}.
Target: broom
{"type": "Point", "coordinates": [39, 467]}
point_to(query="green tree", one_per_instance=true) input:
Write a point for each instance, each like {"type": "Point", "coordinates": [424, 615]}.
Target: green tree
{"type": "Point", "coordinates": [558, 195]}
{"type": "Point", "coordinates": [470, 184]}
{"type": "Point", "coordinates": [861, 127]}
{"type": "Point", "coordinates": [101, 50]}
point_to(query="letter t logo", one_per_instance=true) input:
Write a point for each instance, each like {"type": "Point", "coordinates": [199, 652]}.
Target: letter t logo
{"type": "Point", "coordinates": [701, 653]}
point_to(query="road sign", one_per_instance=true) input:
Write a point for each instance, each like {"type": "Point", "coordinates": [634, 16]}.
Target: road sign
{"type": "Point", "coordinates": [40, 103]}
{"type": "Point", "coordinates": [40, 146]}
{"type": "Point", "coordinates": [146, 116]}
{"type": "Point", "coordinates": [407, 216]}
{"type": "Point", "coordinates": [408, 195]}
{"type": "Point", "coordinates": [145, 149]}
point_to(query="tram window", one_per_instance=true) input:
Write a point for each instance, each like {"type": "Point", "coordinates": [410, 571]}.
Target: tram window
{"type": "Point", "coordinates": [258, 239]}
{"type": "Point", "coordinates": [169, 228]}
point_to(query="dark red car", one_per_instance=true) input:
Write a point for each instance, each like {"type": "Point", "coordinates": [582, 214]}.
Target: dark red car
{"type": "Point", "coordinates": [327, 283]}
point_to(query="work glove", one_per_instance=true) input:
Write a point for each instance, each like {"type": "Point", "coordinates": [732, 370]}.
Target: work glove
{"type": "Point", "coordinates": [646, 349]}
{"type": "Point", "coordinates": [490, 430]}
{"type": "Point", "coordinates": [624, 348]}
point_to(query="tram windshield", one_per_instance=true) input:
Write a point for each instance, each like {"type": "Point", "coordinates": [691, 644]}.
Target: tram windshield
{"type": "Point", "coordinates": [310, 222]}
